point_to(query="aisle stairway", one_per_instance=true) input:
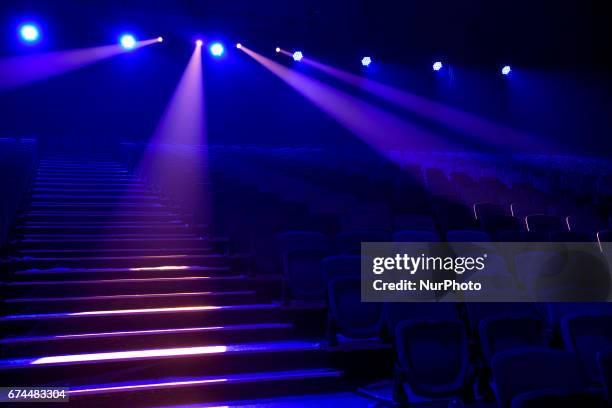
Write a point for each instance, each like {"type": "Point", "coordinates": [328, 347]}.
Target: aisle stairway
{"type": "Point", "coordinates": [109, 292]}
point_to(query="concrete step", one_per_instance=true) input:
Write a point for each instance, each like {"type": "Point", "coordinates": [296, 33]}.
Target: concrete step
{"type": "Point", "coordinates": [138, 319]}
{"type": "Point", "coordinates": [84, 252]}
{"type": "Point", "coordinates": [134, 339]}
{"type": "Point", "coordinates": [110, 242]}
{"type": "Point", "coordinates": [194, 360]}
{"type": "Point", "coordinates": [67, 287]}
{"type": "Point", "coordinates": [133, 261]}
{"type": "Point", "coordinates": [100, 229]}
{"type": "Point", "coordinates": [70, 198]}
{"type": "Point", "coordinates": [47, 215]}
{"type": "Point", "coordinates": [125, 301]}
{"type": "Point", "coordinates": [168, 271]}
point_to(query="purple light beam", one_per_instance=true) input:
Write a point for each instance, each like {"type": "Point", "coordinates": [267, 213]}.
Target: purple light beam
{"type": "Point", "coordinates": [169, 156]}
{"type": "Point", "coordinates": [464, 122]}
{"type": "Point", "coordinates": [379, 129]}
{"type": "Point", "coordinates": [23, 70]}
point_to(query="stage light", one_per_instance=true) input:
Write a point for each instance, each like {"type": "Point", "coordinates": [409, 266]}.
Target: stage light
{"type": "Point", "coordinates": [239, 46]}
{"type": "Point", "coordinates": [506, 70]}
{"type": "Point", "coordinates": [199, 43]}
{"type": "Point", "coordinates": [216, 49]}
{"type": "Point", "coordinates": [365, 61]}
{"type": "Point", "coordinates": [297, 56]}
{"type": "Point", "coordinates": [277, 49]}
{"type": "Point", "coordinates": [437, 66]}
{"type": "Point", "coordinates": [29, 33]}
{"type": "Point", "coordinates": [160, 39]}
{"type": "Point", "coordinates": [127, 41]}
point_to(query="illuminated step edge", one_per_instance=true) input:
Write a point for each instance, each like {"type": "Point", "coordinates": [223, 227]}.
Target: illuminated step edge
{"type": "Point", "coordinates": [202, 381]}
{"type": "Point", "coordinates": [152, 332]}
{"type": "Point", "coordinates": [162, 353]}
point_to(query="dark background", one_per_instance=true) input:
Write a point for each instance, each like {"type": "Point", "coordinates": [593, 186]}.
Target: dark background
{"type": "Point", "coordinates": [559, 90]}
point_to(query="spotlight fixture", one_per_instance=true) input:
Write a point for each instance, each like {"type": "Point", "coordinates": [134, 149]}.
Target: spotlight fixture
{"type": "Point", "coordinates": [29, 33]}
{"type": "Point", "coordinates": [160, 39]}
{"type": "Point", "coordinates": [297, 56]}
{"type": "Point", "coordinates": [365, 61]}
{"type": "Point", "coordinates": [199, 43]}
{"type": "Point", "coordinates": [277, 49]}
{"type": "Point", "coordinates": [127, 41]}
{"type": "Point", "coordinates": [437, 66]}
{"type": "Point", "coordinates": [216, 49]}
{"type": "Point", "coordinates": [239, 46]}
{"type": "Point", "coordinates": [506, 70]}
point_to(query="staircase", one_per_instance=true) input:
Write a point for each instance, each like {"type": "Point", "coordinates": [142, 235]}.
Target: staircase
{"type": "Point", "coordinates": [108, 292]}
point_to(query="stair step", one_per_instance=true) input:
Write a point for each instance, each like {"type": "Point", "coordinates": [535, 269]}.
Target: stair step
{"type": "Point", "coordinates": [97, 191]}
{"type": "Point", "coordinates": [83, 229]}
{"type": "Point", "coordinates": [121, 261]}
{"type": "Point", "coordinates": [138, 318]}
{"type": "Point", "coordinates": [36, 206]}
{"type": "Point", "coordinates": [99, 223]}
{"type": "Point", "coordinates": [125, 285]}
{"type": "Point", "coordinates": [114, 252]}
{"type": "Point", "coordinates": [196, 359]}
{"type": "Point", "coordinates": [109, 273]}
{"type": "Point", "coordinates": [99, 216]}
{"type": "Point", "coordinates": [86, 178]}
{"type": "Point", "coordinates": [192, 390]}
{"type": "Point", "coordinates": [117, 340]}
{"type": "Point", "coordinates": [82, 170]}
{"type": "Point", "coordinates": [123, 235]}
{"type": "Point", "coordinates": [125, 301]}
{"type": "Point", "coordinates": [81, 183]}
{"type": "Point", "coordinates": [68, 198]}
{"type": "Point", "coordinates": [84, 174]}
{"type": "Point", "coordinates": [110, 243]}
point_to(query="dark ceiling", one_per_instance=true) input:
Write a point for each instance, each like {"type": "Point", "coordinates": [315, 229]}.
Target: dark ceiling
{"type": "Point", "coordinates": [469, 32]}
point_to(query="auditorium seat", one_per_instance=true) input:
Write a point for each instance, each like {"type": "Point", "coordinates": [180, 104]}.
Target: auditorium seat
{"type": "Point", "coordinates": [521, 236]}
{"type": "Point", "coordinates": [556, 311]}
{"type": "Point", "coordinates": [544, 223]}
{"type": "Point", "coordinates": [486, 210]}
{"type": "Point", "coordinates": [559, 398]}
{"type": "Point", "coordinates": [454, 216]}
{"type": "Point", "coordinates": [334, 204]}
{"type": "Point", "coordinates": [396, 312]}
{"type": "Point", "coordinates": [604, 236]}
{"type": "Point", "coordinates": [500, 223]}
{"type": "Point", "coordinates": [372, 216]}
{"type": "Point", "coordinates": [341, 266]}
{"type": "Point", "coordinates": [350, 241]}
{"type": "Point", "coordinates": [416, 236]}
{"type": "Point", "coordinates": [415, 201]}
{"type": "Point", "coordinates": [462, 179]}
{"type": "Point", "coordinates": [414, 222]}
{"type": "Point", "coordinates": [467, 236]}
{"type": "Point", "coordinates": [348, 316]}
{"type": "Point", "coordinates": [511, 331]}
{"type": "Point", "coordinates": [604, 362]}
{"type": "Point", "coordinates": [586, 335]}
{"type": "Point", "coordinates": [519, 371]}
{"type": "Point", "coordinates": [529, 265]}
{"type": "Point", "coordinates": [302, 252]}
{"type": "Point", "coordinates": [432, 359]}
{"type": "Point", "coordinates": [437, 182]}
{"type": "Point", "coordinates": [522, 209]}
{"type": "Point", "coordinates": [571, 236]}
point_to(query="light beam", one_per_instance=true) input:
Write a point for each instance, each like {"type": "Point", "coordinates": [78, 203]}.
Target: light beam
{"type": "Point", "coordinates": [22, 70]}
{"type": "Point", "coordinates": [481, 129]}
{"type": "Point", "coordinates": [376, 127]}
